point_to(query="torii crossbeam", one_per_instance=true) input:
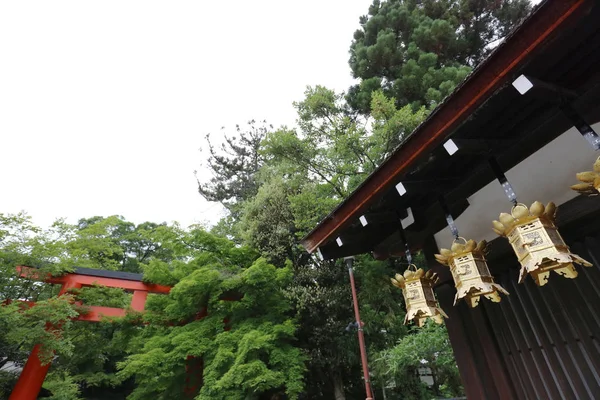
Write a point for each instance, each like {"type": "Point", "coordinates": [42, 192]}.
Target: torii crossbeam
{"type": "Point", "coordinates": [32, 377]}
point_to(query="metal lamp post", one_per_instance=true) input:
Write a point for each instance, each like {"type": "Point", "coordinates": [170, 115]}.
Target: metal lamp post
{"type": "Point", "coordinates": [361, 336]}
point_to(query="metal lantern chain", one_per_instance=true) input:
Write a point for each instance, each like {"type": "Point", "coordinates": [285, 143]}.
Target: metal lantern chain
{"type": "Point", "coordinates": [407, 252]}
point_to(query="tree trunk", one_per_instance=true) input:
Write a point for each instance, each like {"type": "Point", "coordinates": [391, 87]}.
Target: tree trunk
{"type": "Point", "coordinates": [338, 387]}
{"type": "Point", "coordinates": [435, 386]}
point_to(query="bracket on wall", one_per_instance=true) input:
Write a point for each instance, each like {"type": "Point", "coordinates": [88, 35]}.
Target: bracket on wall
{"type": "Point", "coordinates": [475, 146]}
{"type": "Point", "coordinates": [564, 97]}
{"type": "Point", "coordinates": [546, 90]}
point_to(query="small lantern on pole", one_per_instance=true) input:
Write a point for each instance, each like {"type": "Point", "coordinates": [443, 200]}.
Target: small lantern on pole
{"type": "Point", "coordinates": [417, 289]}
{"type": "Point", "coordinates": [470, 272]}
{"type": "Point", "coordinates": [537, 243]}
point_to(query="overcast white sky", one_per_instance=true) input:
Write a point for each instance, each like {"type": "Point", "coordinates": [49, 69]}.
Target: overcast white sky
{"type": "Point", "coordinates": [104, 105]}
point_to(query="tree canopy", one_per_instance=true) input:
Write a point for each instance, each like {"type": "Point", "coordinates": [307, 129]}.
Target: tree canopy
{"type": "Point", "coordinates": [147, 358]}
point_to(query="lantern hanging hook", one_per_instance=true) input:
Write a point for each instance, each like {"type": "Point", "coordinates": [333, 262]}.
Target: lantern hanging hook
{"type": "Point", "coordinates": [506, 186]}
{"type": "Point", "coordinates": [459, 238]}
{"type": "Point", "coordinates": [449, 219]}
{"type": "Point", "coordinates": [406, 246]}
{"type": "Point", "coordinates": [515, 205]}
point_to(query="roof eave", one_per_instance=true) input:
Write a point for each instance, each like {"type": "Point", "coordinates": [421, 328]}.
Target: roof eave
{"type": "Point", "coordinates": [489, 76]}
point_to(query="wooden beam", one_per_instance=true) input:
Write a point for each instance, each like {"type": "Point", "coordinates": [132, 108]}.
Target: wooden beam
{"type": "Point", "coordinates": [86, 280]}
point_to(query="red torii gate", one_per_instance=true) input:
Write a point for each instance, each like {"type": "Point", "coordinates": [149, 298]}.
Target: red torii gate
{"type": "Point", "coordinates": [32, 377]}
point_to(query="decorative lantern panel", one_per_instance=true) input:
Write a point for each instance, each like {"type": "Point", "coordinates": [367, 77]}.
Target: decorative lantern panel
{"type": "Point", "coordinates": [417, 289]}
{"type": "Point", "coordinates": [537, 242]}
{"type": "Point", "coordinates": [470, 272]}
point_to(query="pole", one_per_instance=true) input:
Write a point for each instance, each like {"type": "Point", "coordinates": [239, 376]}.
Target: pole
{"type": "Point", "coordinates": [361, 336]}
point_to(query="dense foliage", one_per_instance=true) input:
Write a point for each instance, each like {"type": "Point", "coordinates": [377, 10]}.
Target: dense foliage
{"type": "Point", "coordinates": [146, 358]}
{"type": "Point", "coordinates": [426, 347]}
{"type": "Point", "coordinates": [251, 359]}
{"type": "Point", "coordinates": [307, 170]}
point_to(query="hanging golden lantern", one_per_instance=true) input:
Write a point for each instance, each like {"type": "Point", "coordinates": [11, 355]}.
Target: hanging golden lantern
{"type": "Point", "coordinates": [470, 272]}
{"type": "Point", "coordinates": [537, 243]}
{"type": "Point", "coordinates": [417, 289]}
{"type": "Point", "coordinates": [590, 181]}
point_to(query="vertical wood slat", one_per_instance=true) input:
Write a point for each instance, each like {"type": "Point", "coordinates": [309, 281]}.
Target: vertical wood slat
{"type": "Point", "coordinates": [540, 342]}
{"type": "Point", "coordinates": [487, 371]}
{"type": "Point", "coordinates": [491, 353]}
{"type": "Point", "coordinates": [589, 287]}
{"type": "Point", "coordinates": [463, 353]}
{"type": "Point", "coordinates": [555, 325]}
{"type": "Point", "coordinates": [566, 302]}
{"type": "Point", "coordinates": [571, 302]}
{"type": "Point", "coordinates": [507, 349]}
{"type": "Point", "coordinates": [540, 318]}
{"type": "Point", "coordinates": [527, 365]}
{"type": "Point", "coordinates": [539, 373]}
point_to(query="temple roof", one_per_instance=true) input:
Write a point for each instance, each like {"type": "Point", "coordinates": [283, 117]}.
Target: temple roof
{"type": "Point", "coordinates": [558, 43]}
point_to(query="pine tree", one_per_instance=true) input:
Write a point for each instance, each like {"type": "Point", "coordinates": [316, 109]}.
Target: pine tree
{"type": "Point", "coordinates": [417, 51]}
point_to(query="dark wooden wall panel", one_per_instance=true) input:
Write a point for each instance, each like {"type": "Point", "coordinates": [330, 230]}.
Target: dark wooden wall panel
{"type": "Point", "coordinates": [539, 342]}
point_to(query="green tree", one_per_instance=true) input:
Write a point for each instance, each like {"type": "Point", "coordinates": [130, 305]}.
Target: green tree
{"type": "Point", "coordinates": [112, 243]}
{"type": "Point", "coordinates": [267, 223]}
{"type": "Point", "coordinates": [391, 125]}
{"type": "Point", "coordinates": [417, 51]}
{"type": "Point", "coordinates": [23, 243]}
{"type": "Point", "coordinates": [98, 242]}
{"type": "Point", "coordinates": [234, 165]}
{"type": "Point", "coordinates": [306, 172]}
{"type": "Point", "coordinates": [62, 387]}
{"type": "Point", "coordinates": [255, 357]}
{"type": "Point", "coordinates": [327, 137]}
{"type": "Point", "coordinates": [334, 149]}
{"type": "Point", "coordinates": [424, 347]}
